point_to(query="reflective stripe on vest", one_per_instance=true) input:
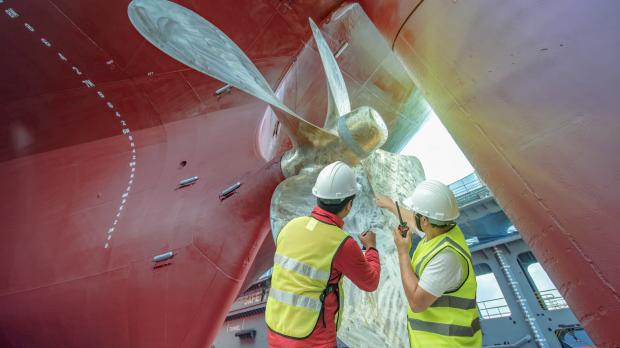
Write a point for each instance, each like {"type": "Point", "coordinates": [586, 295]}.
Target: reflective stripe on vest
{"type": "Point", "coordinates": [295, 300]}
{"type": "Point", "coordinates": [305, 251]}
{"type": "Point", "coordinates": [452, 319]}
{"type": "Point", "coordinates": [446, 329]}
{"type": "Point", "coordinates": [454, 302]}
{"type": "Point", "coordinates": [300, 267]}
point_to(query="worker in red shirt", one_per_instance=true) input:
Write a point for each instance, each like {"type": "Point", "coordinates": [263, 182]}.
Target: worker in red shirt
{"type": "Point", "coordinates": [312, 254]}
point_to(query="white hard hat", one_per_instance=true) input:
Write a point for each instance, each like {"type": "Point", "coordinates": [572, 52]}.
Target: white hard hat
{"type": "Point", "coordinates": [434, 200]}
{"type": "Point", "coordinates": [336, 181]}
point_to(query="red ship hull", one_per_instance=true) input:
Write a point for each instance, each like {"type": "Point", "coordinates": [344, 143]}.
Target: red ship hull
{"type": "Point", "coordinates": [101, 127]}
{"type": "Point", "coordinates": [528, 90]}
{"type": "Point", "coordinates": [541, 137]}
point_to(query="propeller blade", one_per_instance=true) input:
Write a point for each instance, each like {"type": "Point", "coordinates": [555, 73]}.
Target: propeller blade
{"type": "Point", "coordinates": [392, 174]}
{"type": "Point", "coordinates": [291, 199]}
{"type": "Point", "coordinates": [192, 40]}
{"type": "Point", "coordinates": [195, 42]}
{"type": "Point", "coordinates": [395, 176]}
{"type": "Point", "coordinates": [338, 97]}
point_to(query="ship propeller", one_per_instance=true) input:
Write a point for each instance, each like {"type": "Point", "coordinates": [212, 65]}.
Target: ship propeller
{"type": "Point", "coordinates": [353, 136]}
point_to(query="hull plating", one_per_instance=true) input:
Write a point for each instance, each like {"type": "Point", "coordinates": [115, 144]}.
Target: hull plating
{"type": "Point", "coordinates": [528, 91]}
{"type": "Point", "coordinates": [83, 218]}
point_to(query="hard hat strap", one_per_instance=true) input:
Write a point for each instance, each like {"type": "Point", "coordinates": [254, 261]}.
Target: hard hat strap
{"type": "Point", "coordinates": [433, 222]}
{"type": "Point", "coordinates": [417, 221]}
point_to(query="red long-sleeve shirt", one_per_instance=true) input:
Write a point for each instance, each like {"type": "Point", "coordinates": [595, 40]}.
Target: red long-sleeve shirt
{"type": "Point", "coordinates": [362, 269]}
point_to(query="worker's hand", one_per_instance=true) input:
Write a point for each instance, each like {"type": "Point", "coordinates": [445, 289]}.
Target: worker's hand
{"type": "Point", "coordinates": [369, 240]}
{"type": "Point", "coordinates": [383, 201]}
{"type": "Point", "coordinates": [403, 244]}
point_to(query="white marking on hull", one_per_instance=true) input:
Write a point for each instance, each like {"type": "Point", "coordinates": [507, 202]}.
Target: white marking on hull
{"type": "Point", "coordinates": [124, 129]}
{"type": "Point", "coordinates": [88, 83]}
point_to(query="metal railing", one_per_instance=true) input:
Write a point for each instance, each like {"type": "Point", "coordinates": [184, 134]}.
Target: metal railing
{"type": "Point", "coordinates": [469, 189]}
{"type": "Point", "coordinates": [551, 300]}
{"type": "Point", "coordinates": [495, 308]}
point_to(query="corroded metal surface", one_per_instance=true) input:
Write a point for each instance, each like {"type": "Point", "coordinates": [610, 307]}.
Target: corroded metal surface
{"type": "Point", "coordinates": [377, 319]}
{"type": "Point", "coordinates": [393, 175]}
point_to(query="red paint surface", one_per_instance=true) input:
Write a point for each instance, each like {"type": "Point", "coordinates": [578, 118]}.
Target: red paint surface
{"type": "Point", "coordinates": [64, 165]}
{"type": "Point", "coordinates": [529, 92]}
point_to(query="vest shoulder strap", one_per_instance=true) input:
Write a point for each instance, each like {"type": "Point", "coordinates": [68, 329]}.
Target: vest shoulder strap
{"type": "Point", "coordinates": [445, 242]}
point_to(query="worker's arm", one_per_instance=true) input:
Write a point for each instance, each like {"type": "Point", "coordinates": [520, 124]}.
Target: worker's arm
{"type": "Point", "coordinates": [387, 203]}
{"type": "Point", "coordinates": [363, 270]}
{"type": "Point", "coordinates": [418, 298]}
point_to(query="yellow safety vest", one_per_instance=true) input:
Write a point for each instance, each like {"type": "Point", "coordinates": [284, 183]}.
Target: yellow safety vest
{"type": "Point", "coordinates": [452, 320]}
{"type": "Point", "coordinates": [305, 249]}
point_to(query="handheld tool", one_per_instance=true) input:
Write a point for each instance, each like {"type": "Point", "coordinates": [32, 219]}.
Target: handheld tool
{"type": "Point", "coordinates": [363, 246]}
{"type": "Point", "coordinates": [403, 225]}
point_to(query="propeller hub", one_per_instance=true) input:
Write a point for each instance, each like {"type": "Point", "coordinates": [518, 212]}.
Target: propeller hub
{"type": "Point", "coordinates": [362, 130]}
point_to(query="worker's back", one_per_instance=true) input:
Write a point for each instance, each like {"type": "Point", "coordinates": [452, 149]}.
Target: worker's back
{"type": "Point", "coordinates": [305, 249]}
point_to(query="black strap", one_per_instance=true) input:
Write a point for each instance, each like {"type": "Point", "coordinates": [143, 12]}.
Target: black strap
{"type": "Point", "coordinates": [328, 290]}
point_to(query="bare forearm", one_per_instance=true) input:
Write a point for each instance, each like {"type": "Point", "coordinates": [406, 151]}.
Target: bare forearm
{"type": "Point", "coordinates": [406, 214]}
{"type": "Point", "coordinates": [409, 279]}
{"type": "Point", "coordinates": [392, 208]}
